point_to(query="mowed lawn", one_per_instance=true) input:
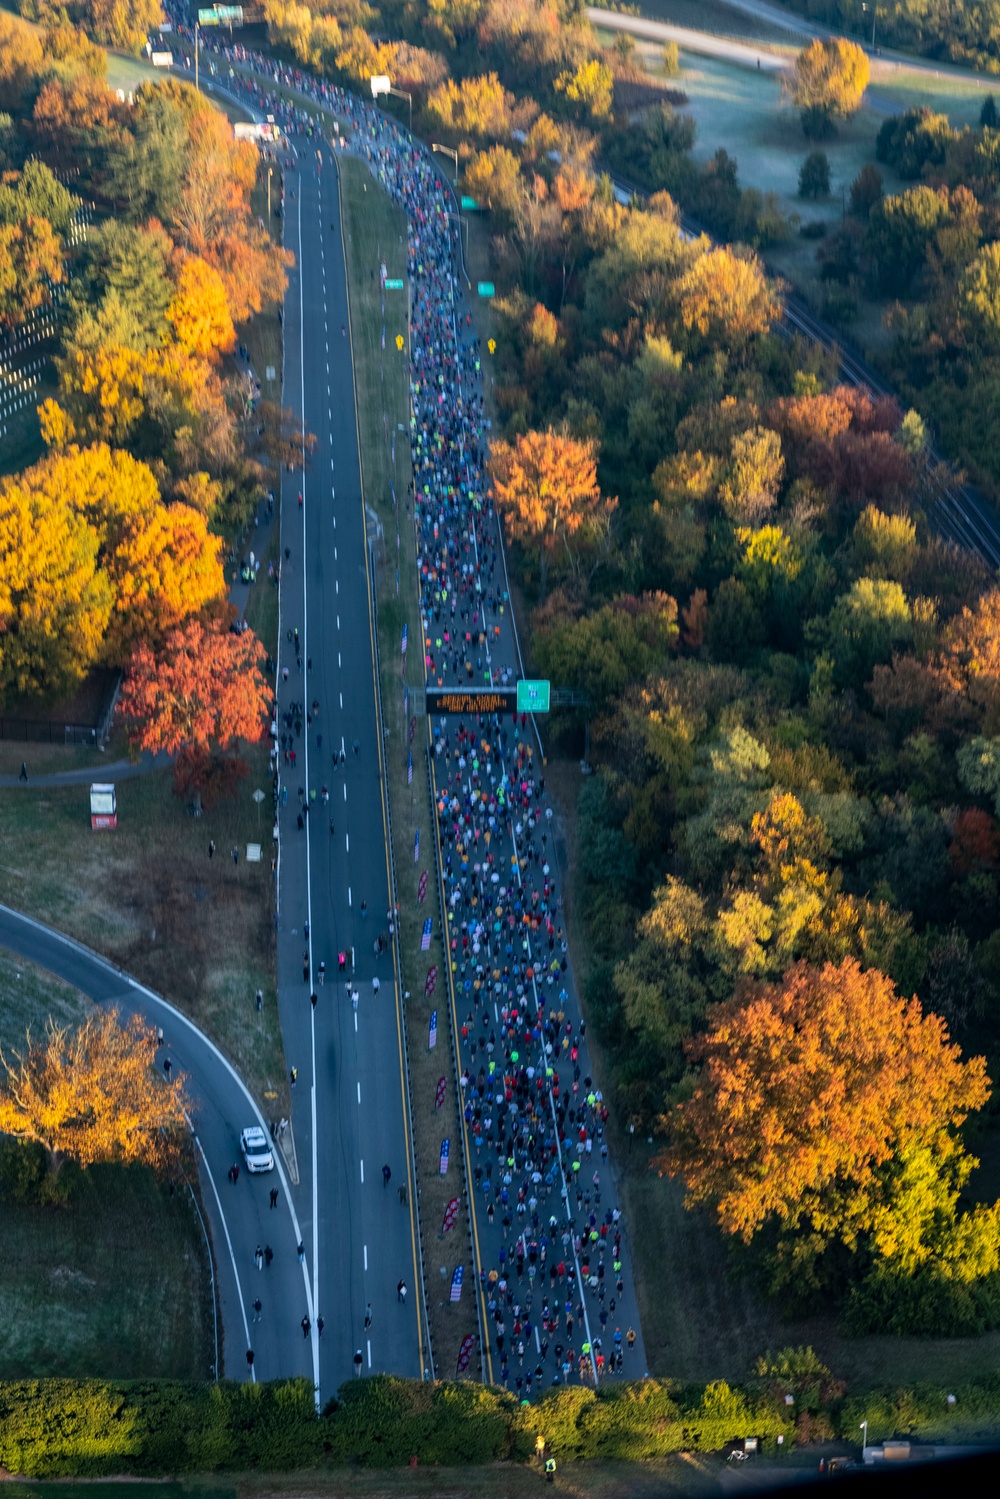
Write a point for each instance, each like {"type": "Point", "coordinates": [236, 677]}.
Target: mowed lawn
{"type": "Point", "coordinates": [114, 1282]}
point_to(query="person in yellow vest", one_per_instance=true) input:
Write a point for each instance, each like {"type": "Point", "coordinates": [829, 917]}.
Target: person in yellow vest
{"type": "Point", "coordinates": [550, 1470]}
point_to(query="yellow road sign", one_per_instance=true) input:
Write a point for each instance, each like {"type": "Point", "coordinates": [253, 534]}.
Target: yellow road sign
{"type": "Point", "coordinates": [492, 345]}
{"type": "Point", "coordinates": [399, 342]}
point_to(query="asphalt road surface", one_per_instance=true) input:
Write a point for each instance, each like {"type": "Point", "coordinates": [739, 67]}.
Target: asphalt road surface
{"type": "Point", "coordinates": [348, 1113]}
{"type": "Point", "coordinates": [240, 1215]}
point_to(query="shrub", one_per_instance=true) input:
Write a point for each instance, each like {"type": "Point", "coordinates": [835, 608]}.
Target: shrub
{"type": "Point", "coordinates": [866, 190]}
{"type": "Point", "coordinates": [671, 59]}
{"type": "Point", "coordinates": [818, 123]}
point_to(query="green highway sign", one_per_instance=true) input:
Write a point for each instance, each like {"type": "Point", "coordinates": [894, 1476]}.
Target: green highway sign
{"type": "Point", "coordinates": [221, 15]}
{"type": "Point", "coordinates": [486, 288]}
{"type": "Point", "coordinates": [533, 697]}
{"type": "Point", "coordinates": [468, 203]}
{"type": "Point", "coordinates": [394, 286]}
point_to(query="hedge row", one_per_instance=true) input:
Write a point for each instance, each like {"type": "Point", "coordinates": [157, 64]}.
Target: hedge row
{"type": "Point", "coordinates": [91, 1428]}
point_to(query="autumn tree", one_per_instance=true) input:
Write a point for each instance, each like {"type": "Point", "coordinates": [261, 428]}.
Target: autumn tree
{"type": "Point", "coordinates": [31, 261]}
{"type": "Point", "coordinates": [726, 299]}
{"type": "Point", "coordinates": [473, 106]}
{"type": "Point", "coordinates": [197, 698]}
{"type": "Point", "coordinates": [591, 85]}
{"type": "Point", "coordinates": [93, 1095]}
{"type": "Point", "coordinates": [753, 475]}
{"type": "Point", "coordinates": [361, 57]}
{"type": "Point", "coordinates": [199, 312]}
{"type": "Point", "coordinates": [808, 1094]}
{"type": "Point", "coordinates": [55, 602]}
{"type": "Point", "coordinates": [546, 487]}
{"type": "Point", "coordinates": [494, 178]}
{"type": "Point", "coordinates": [829, 78]}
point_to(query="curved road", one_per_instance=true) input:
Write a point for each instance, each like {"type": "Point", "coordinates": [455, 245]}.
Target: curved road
{"type": "Point", "coordinates": [240, 1214]}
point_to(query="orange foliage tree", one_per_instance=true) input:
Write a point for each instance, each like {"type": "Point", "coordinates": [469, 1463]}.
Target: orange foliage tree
{"type": "Point", "coordinates": [197, 698]}
{"type": "Point", "coordinates": [93, 1095]}
{"type": "Point", "coordinates": [806, 1088]}
{"type": "Point", "coordinates": [30, 261]}
{"type": "Point", "coordinates": [199, 311]}
{"type": "Point", "coordinates": [545, 485]}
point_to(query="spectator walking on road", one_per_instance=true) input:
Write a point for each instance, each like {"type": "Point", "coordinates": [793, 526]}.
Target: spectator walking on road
{"type": "Point", "coordinates": [368, 1316]}
{"type": "Point", "coordinates": [386, 1175]}
{"type": "Point", "coordinates": [274, 1197]}
{"type": "Point", "coordinates": [306, 1325]}
{"type": "Point", "coordinates": [401, 1291]}
{"type": "Point", "coordinates": [258, 1257]}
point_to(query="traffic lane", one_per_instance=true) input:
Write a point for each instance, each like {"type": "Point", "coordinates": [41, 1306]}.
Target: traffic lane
{"type": "Point", "coordinates": [379, 1128]}
{"type": "Point", "coordinates": [222, 1106]}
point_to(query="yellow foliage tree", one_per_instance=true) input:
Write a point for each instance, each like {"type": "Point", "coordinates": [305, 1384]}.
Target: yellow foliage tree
{"type": "Point", "coordinates": [592, 85]}
{"type": "Point", "coordinates": [55, 602]}
{"type": "Point", "coordinates": [93, 1095]}
{"type": "Point", "coordinates": [727, 298]}
{"type": "Point", "coordinates": [199, 311]}
{"type": "Point", "coordinates": [362, 58]}
{"type": "Point", "coordinates": [165, 568]}
{"type": "Point", "coordinates": [473, 106]}
{"type": "Point", "coordinates": [829, 75]}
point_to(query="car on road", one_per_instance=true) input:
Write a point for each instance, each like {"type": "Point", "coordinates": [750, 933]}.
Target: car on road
{"type": "Point", "coordinates": [256, 1148]}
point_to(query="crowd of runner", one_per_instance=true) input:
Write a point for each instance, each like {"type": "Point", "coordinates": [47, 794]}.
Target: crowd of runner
{"type": "Point", "coordinates": [552, 1251]}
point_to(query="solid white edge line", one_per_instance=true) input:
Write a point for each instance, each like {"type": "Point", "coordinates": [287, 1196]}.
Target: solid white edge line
{"type": "Point", "coordinates": [232, 1256]}
{"type": "Point", "coordinates": [177, 1015]}
{"type": "Point", "coordinates": [314, 1334]}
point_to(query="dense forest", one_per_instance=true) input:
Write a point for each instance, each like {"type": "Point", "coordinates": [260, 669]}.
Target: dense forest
{"type": "Point", "coordinates": [790, 842]}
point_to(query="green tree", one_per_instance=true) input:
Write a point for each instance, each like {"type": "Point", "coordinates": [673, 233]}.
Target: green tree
{"type": "Point", "coordinates": [865, 626]}
{"type": "Point", "coordinates": [123, 289]}
{"type": "Point", "coordinates": [900, 229]}
{"type": "Point", "coordinates": [37, 194]}
{"type": "Point", "coordinates": [979, 768]}
{"type": "Point", "coordinates": [866, 190]}
{"type": "Point", "coordinates": [814, 176]}
{"type": "Point", "coordinates": [600, 654]}
{"type": "Point", "coordinates": [979, 299]}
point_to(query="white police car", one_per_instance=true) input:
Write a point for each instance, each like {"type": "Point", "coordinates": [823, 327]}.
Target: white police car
{"type": "Point", "coordinates": [256, 1148]}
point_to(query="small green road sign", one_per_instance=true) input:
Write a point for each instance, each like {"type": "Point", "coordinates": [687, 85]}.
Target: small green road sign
{"type": "Point", "coordinates": [486, 288]}
{"type": "Point", "coordinates": [533, 697]}
{"type": "Point", "coordinates": [468, 204]}
{"type": "Point", "coordinates": [394, 285]}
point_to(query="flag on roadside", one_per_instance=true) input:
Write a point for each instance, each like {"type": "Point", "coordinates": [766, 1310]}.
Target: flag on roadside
{"type": "Point", "coordinates": [425, 940]}
{"type": "Point", "coordinates": [432, 1034]}
{"type": "Point", "coordinates": [456, 1283]}
{"type": "Point", "coordinates": [445, 1152]}
{"type": "Point", "coordinates": [409, 768]}
{"type": "Point", "coordinates": [416, 847]}
{"type": "Point", "coordinates": [422, 887]}
{"type": "Point", "coordinates": [403, 647]}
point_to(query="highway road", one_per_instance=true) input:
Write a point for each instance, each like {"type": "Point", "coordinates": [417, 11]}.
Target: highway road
{"type": "Point", "coordinates": [239, 1214]}
{"type": "Point", "coordinates": [348, 1107]}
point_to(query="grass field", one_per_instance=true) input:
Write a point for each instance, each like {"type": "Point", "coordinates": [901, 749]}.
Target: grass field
{"type": "Point", "coordinates": [68, 1308]}
{"type": "Point", "coordinates": [198, 930]}
{"type": "Point", "coordinates": [114, 1284]}
{"type": "Point", "coordinates": [28, 997]}
{"type": "Point", "coordinates": [375, 230]}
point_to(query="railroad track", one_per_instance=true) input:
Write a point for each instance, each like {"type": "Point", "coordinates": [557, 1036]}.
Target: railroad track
{"type": "Point", "coordinates": [955, 510]}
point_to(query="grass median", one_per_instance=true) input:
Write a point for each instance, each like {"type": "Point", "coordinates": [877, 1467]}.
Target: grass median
{"type": "Point", "coordinates": [375, 231]}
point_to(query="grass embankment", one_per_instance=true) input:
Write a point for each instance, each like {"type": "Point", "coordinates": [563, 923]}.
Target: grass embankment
{"type": "Point", "coordinates": [375, 230]}
{"type": "Point", "coordinates": [199, 930]}
{"type": "Point", "coordinates": [68, 1308]}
